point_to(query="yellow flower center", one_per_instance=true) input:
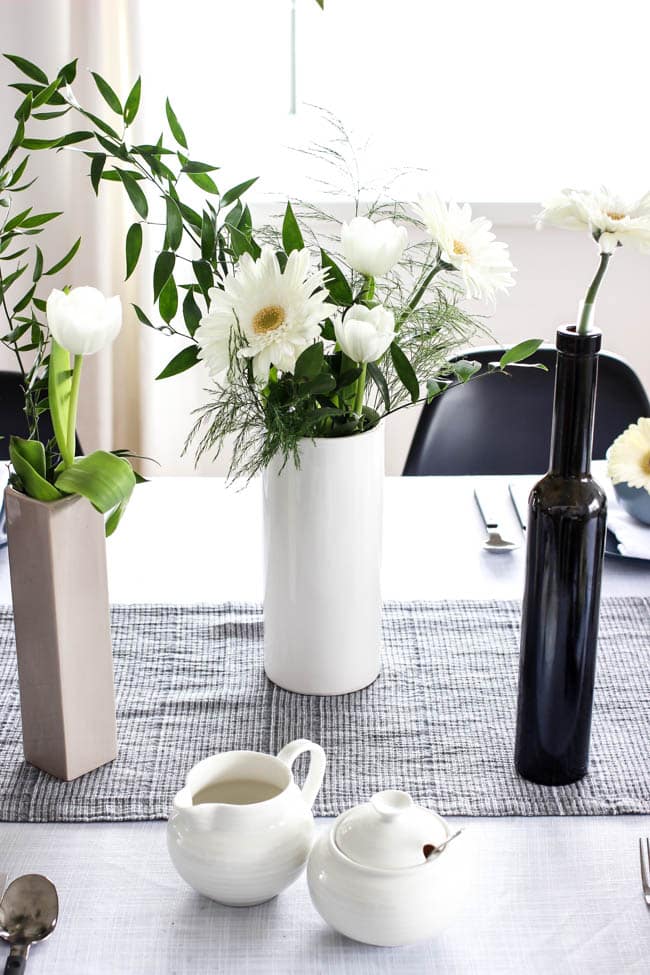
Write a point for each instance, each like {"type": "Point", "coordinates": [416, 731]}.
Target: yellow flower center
{"type": "Point", "coordinates": [459, 248]}
{"type": "Point", "coordinates": [267, 319]}
{"type": "Point", "coordinates": [613, 215]}
{"type": "Point", "coordinates": [645, 463]}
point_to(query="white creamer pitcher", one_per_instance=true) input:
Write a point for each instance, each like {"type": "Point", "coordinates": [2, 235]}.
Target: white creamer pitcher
{"type": "Point", "coordinates": [241, 829]}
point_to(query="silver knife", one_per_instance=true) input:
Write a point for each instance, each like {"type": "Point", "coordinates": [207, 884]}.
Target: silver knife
{"type": "Point", "coordinates": [520, 511]}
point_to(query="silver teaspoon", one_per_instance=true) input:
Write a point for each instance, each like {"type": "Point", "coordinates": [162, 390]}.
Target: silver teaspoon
{"type": "Point", "coordinates": [29, 911]}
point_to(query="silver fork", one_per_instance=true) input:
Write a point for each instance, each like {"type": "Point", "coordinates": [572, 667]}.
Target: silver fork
{"type": "Point", "coordinates": [644, 857]}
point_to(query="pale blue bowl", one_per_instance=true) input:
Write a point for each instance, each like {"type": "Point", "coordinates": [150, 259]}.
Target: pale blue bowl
{"type": "Point", "coordinates": [636, 501]}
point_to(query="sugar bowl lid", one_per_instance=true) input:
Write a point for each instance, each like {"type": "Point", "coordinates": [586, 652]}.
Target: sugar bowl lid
{"type": "Point", "coordinates": [390, 832]}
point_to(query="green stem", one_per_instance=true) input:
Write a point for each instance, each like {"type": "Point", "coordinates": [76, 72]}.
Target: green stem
{"type": "Point", "coordinates": [590, 297]}
{"type": "Point", "coordinates": [72, 415]}
{"type": "Point", "coordinates": [368, 290]}
{"type": "Point", "coordinates": [361, 387]}
{"type": "Point", "coordinates": [415, 298]}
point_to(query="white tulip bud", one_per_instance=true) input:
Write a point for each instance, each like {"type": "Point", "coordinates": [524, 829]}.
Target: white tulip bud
{"type": "Point", "coordinates": [372, 248]}
{"type": "Point", "coordinates": [83, 321]}
{"type": "Point", "coordinates": [365, 333]}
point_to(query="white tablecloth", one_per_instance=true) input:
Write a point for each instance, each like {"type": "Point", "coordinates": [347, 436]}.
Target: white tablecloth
{"type": "Point", "coordinates": [548, 895]}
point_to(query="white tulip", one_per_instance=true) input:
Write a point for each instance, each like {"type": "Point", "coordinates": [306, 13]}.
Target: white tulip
{"type": "Point", "coordinates": [372, 248]}
{"type": "Point", "coordinates": [82, 320]}
{"type": "Point", "coordinates": [365, 333]}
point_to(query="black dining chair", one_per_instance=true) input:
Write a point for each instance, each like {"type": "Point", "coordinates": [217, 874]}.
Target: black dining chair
{"type": "Point", "coordinates": [502, 424]}
{"type": "Point", "coordinates": [12, 415]}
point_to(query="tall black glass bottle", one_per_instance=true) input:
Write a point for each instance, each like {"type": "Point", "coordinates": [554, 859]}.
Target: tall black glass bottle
{"type": "Point", "coordinates": [566, 539]}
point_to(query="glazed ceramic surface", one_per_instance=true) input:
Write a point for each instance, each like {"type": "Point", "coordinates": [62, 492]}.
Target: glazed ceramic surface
{"type": "Point", "coordinates": [636, 501]}
{"type": "Point", "coordinates": [253, 843]}
{"type": "Point", "coordinates": [374, 877]}
{"type": "Point", "coordinates": [322, 602]}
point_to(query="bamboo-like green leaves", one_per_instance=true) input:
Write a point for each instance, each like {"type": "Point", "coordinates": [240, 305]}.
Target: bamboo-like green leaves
{"type": "Point", "coordinates": [184, 360]}
{"type": "Point", "coordinates": [163, 268]}
{"type": "Point", "coordinates": [96, 169]}
{"type": "Point", "coordinates": [133, 248]}
{"type": "Point", "coordinates": [132, 103]}
{"type": "Point", "coordinates": [107, 93]}
{"type": "Point", "coordinates": [174, 225]}
{"type": "Point", "coordinates": [135, 193]}
{"type": "Point", "coordinates": [175, 125]}
{"type": "Point", "coordinates": [27, 68]}
{"type": "Point", "coordinates": [168, 300]}
{"type": "Point", "coordinates": [235, 192]}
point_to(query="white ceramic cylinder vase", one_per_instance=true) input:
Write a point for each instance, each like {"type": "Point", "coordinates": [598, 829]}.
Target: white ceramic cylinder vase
{"type": "Point", "coordinates": [323, 530]}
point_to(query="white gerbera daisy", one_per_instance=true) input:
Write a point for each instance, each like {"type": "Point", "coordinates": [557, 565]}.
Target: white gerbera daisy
{"type": "Point", "coordinates": [468, 246]}
{"type": "Point", "coordinates": [628, 459]}
{"type": "Point", "coordinates": [567, 209]}
{"type": "Point", "coordinates": [278, 312]}
{"type": "Point", "coordinates": [610, 218]}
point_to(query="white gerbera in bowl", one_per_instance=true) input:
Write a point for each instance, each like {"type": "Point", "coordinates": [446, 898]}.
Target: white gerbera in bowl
{"type": "Point", "coordinates": [628, 465]}
{"type": "Point", "coordinates": [277, 311]}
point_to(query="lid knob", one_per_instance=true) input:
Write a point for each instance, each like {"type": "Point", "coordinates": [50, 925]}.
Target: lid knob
{"type": "Point", "coordinates": [391, 803]}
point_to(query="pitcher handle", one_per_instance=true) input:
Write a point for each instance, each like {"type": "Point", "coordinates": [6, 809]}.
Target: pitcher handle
{"type": "Point", "coordinates": [290, 753]}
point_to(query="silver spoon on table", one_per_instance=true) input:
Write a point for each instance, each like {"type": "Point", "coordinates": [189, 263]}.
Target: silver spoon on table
{"type": "Point", "coordinates": [495, 542]}
{"type": "Point", "coordinates": [29, 911]}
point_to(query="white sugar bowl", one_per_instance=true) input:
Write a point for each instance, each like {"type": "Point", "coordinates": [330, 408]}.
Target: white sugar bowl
{"type": "Point", "coordinates": [387, 872]}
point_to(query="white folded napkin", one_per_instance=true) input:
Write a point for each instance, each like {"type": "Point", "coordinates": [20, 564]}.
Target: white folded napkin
{"type": "Point", "coordinates": [632, 536]}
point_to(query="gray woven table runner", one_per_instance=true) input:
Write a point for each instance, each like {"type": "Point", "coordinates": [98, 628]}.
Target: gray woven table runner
{"type": "Point", "coordinates": [439, 722]}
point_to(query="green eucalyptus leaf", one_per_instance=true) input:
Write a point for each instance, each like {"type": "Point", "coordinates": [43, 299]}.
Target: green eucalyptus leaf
{"type": "Point", "coordinates": [184, 360]}
{"type": "Point", "coordinates": [105, 479]}
{"type": "Point", "coordinates": [168, 300]}
{"type": "Point", "coordinates": [174, 125]}
{"type": "Point", "coordinates": [132, 103]}
{"type": "Point", "coordinates": [235, 192]}
{"type": "Point", "coordinates": [107, 93]}
{"type": "Point", "coordinates": [133, 247]}
{"type": "Point", "coordinates": [163, 269]}
{"type": "Point", "coordinates": [405, 371]}
{"type": "Point", "coordinates": [64, 260]}
{"type": "Point", "coordinates": [336, 282]}
{"type": "Point", "coordinates": [292, 239]}
{"type": "Point", "coordinates": [28, 461]}
{"type": "Point", "coordinates": [519, 352]}
{"type": "Point", "coordinates": [135, 193]}
{"type": "Point", "coordinates": [174, 225]}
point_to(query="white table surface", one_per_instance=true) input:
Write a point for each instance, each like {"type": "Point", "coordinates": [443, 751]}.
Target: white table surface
{"type": "Point", "coordinates": [554, 895]}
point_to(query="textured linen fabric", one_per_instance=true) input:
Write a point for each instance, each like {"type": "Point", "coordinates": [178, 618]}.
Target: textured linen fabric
{"type": "Point", "coordinates": [439, 721]}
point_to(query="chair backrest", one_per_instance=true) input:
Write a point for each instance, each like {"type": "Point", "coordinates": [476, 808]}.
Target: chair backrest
{"type": "Point", "coordinates": [502, 424]}
{"type": "Point", "coordinates": [12, 415]}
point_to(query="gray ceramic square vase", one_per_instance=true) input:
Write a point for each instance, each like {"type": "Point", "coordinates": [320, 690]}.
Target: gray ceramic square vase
{"type": "Point", "coordinates": [57, 559]}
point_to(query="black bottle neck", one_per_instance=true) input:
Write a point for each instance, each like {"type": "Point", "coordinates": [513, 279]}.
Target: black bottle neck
{"type": "Point", "coordinates": [575, 401]}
